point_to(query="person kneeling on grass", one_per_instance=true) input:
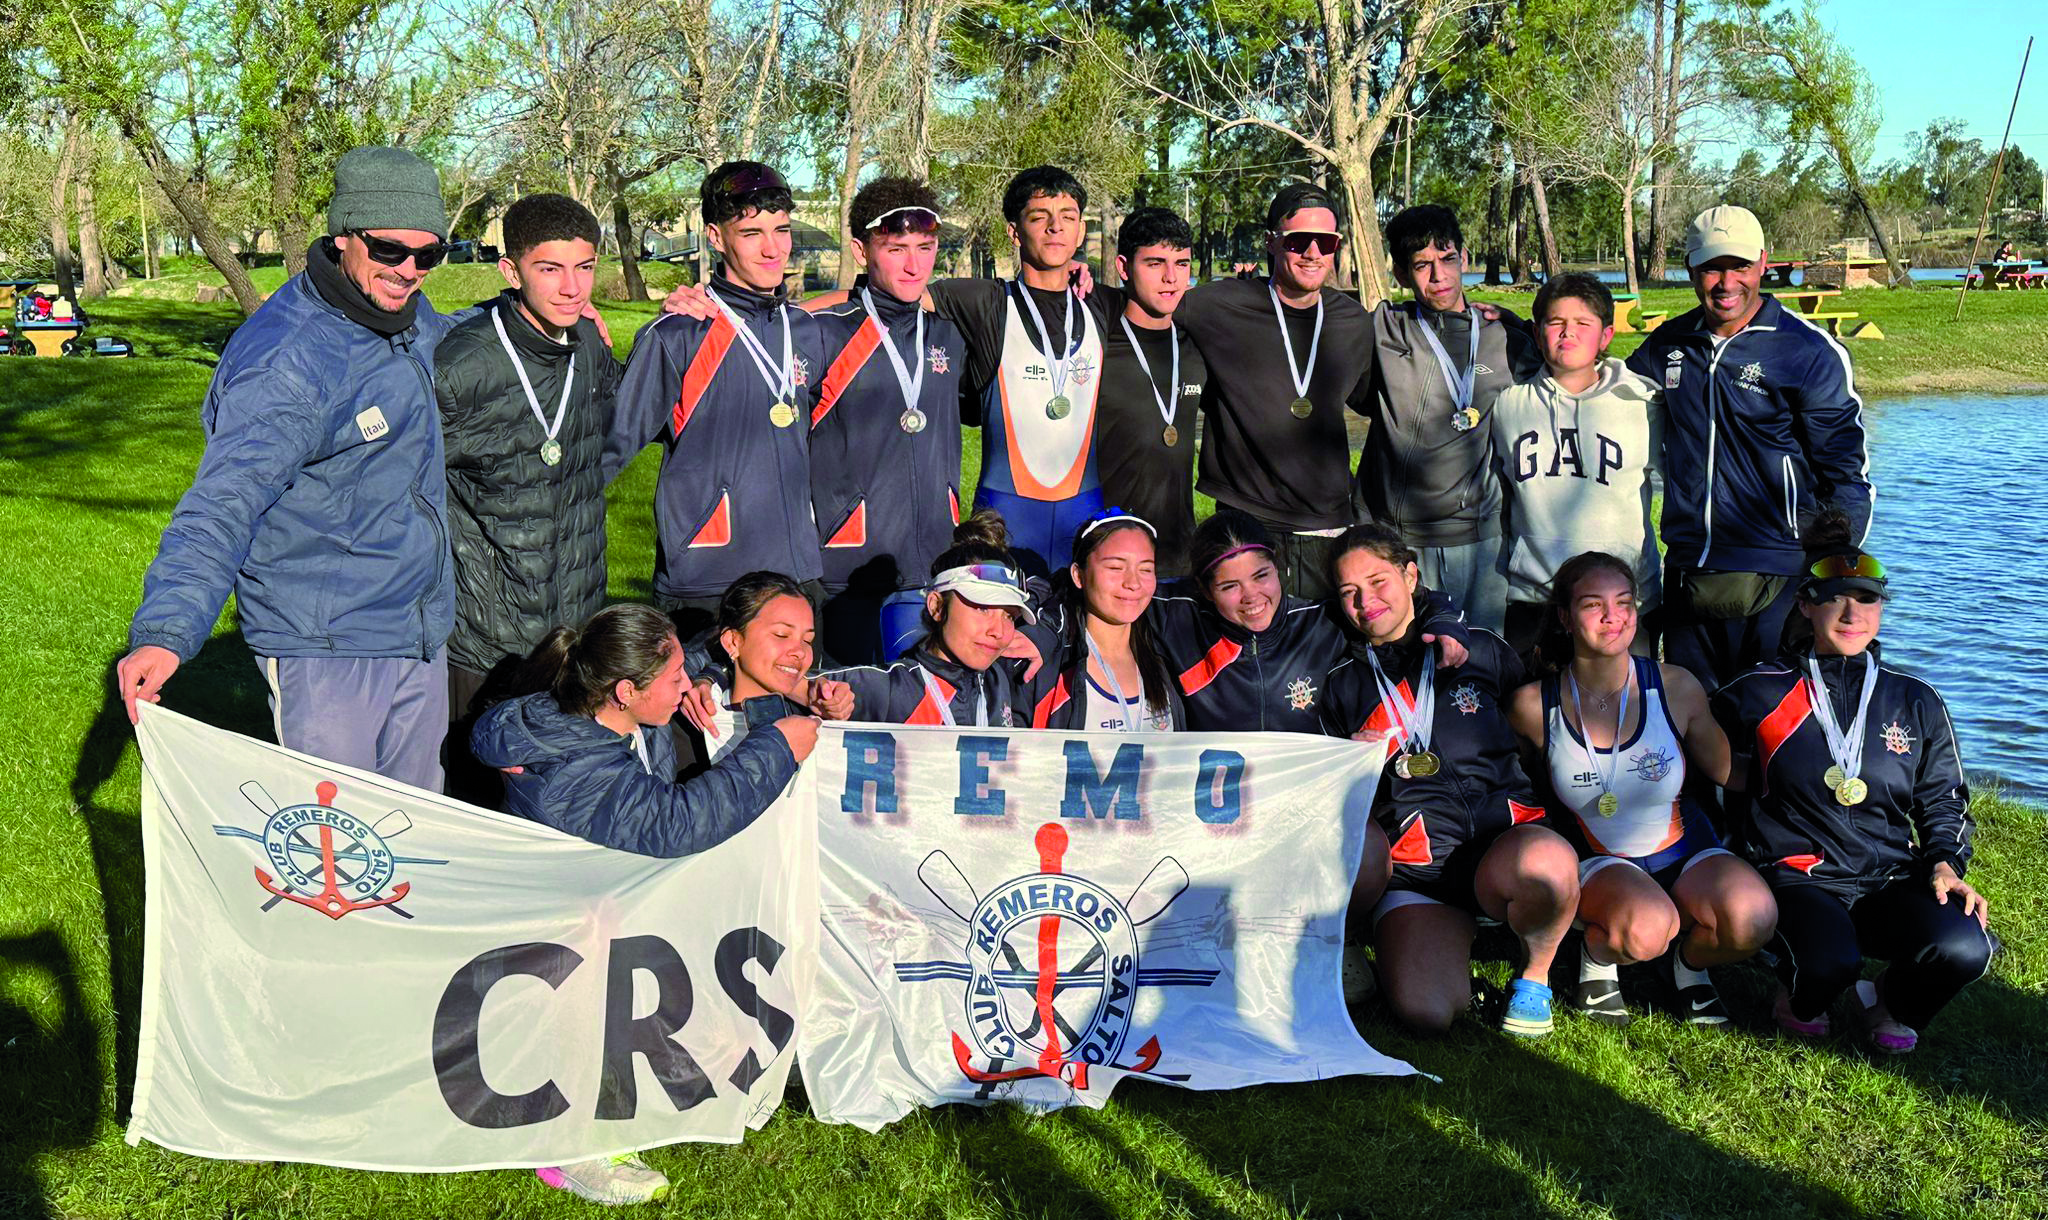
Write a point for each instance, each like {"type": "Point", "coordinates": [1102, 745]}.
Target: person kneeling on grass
{"type": "Point", "coordinates": [767, 634]}
{"type": "Point", "coordinates": [1453, 800]}
{"type": "Point", "coordinates": [1861, 816]}
{"type": "Point", "coordinates": [1616, 737]}
{"type": "Point", "coordinates": [591, 757]}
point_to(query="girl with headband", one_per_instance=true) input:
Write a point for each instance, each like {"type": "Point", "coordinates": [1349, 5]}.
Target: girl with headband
{"type": "Point", "coordinates": [1104, 670]}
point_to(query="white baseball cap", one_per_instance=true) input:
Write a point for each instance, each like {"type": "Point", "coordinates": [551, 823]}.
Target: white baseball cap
{"type": "Point", "coordinates": [1723, 231]}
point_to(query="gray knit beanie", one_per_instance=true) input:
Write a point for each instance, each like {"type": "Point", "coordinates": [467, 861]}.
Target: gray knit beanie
{"type": "Point", "coordinates": [386, 188]}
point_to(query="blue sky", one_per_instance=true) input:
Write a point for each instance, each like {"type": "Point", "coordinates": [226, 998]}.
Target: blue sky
{"type": "Point", "coordinates": [1956, 58]}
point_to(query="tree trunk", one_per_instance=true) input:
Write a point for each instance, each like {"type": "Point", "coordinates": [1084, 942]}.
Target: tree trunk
{"type": "Point", "coordinates": [924, 21]}
{"type": "Point", "coordinates": [762, 76]}
{"type": "Point", "coordinates": [1518, 249]}
{"type": "Point", "coordinates": [1553, 266]}
{"type": "Point", "coordinates": [1370, 252]}
{"type": "Point", "coordinates": [1899, 278]}
{"type": "Point", "coordinates": [190, 208]}
{"type": "Point", "coordinates": [1496, 232]}
{"type": "Point", "coordinates": [1628, 235]}
{"type": "Point", "coordinates": [622, 229]}
{"type": "Point", "coordinates": [60, 212]}
{"type": "Point", "coordinates": [1112, 225]}
{"type": "Point", "coordinates": [90, 252]}
{"type": "Point", "coordinates": [850, 165]}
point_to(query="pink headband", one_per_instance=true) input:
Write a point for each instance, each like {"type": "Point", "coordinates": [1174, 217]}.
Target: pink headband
{"type": "Point", "coordinates": [1234, 552]}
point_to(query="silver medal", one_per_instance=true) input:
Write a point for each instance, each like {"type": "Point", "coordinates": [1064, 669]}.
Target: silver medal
{"type": "Point", "coordinates": [551, 451]}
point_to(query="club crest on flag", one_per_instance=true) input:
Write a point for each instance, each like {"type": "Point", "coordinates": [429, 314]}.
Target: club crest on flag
{"type": "Point", "coordinates": [326, 858]}
{"type": "Point", "coordinates": [1052, 967]}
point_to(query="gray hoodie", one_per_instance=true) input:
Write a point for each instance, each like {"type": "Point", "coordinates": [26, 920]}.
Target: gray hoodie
{"type": "Point", "coordinates": [1577, 469]}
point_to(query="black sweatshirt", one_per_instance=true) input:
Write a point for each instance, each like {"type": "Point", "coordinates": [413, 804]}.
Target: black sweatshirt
{"type": "Point", "coordinates": [1255, 454]}
{"type": "Point", "coordinates": [1140, 471]}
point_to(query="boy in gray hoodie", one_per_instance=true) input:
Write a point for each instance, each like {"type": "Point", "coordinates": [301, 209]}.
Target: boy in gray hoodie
{"type": "Point", "coordinates": [1577, 448]}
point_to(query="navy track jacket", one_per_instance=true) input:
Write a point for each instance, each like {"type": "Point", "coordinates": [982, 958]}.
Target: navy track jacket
{"type": "Point", "coordinates": [1761, 433]}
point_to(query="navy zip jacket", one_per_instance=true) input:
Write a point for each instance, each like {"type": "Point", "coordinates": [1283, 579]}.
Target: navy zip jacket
{"type": "Point", "coordinates": [583, 779]}
{"type": "Point", "coordinates": [1480, 790]}
{"type": "Point", "coordinates": [1060, 694]}
{"type": "Point", "coordinates": [1761, 433]}
{"type": "Point", "coordinates": [735, 490]}
{"type": "Point", "coordinates": [1918, 810]}
{"type": "Point", "coordinates": [886, 500]}
{"type": "Point", "coordinates": [896, 694]}
{"type": "Point", "coordinates": [1236, 680]}
{"type": "Point", "coordinates": [321, 497]}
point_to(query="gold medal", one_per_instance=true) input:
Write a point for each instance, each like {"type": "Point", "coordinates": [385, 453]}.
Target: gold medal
{"type": "Point", "coordinates": [1609, 805]}
{"type": "Point", "coordinates": [1059, 406]}
{"type": "Point", "coordinates": [1852, 791]}
{"type": "Point", "coordinates": [782, 415]}
{"type": "Point", "coordinates": [1301, 408]}
{"type": "Point", "coordinates": [1833, 779]}
{"type": "Point", "coordinates": [1465, 419]}
{"type": "Point", "coordinates": [1171, 436]}
{"type": "Point", "coordinates": [1423, 764]}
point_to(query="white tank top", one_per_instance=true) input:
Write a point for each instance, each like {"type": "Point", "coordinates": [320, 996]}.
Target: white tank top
{"type": "Point", "coordinates": [1046, 458]}
{"type": "Point", "coordinates": [1646, 779]}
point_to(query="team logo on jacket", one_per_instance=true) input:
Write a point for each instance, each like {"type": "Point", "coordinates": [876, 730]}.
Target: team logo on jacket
{"type": "Point", "coordinates": [1052, 969]}
{"type": "Point", "coordinates": [1897, 738]}
{"type": "Point", "coordinates": [1751, 373]}
{"type": "Point", "coordinates": [1674, 364]}
{"type": "Point", "coordinates": [1651, 765]}
{"type": "Point", "coordinates": [1082, 370]}
{"type": "Point", "coordinates": [1466, 696]}
{"type": "Point", "coordinates": [940, 361]}
{"type": "Point", "coordinates": [327, 858]}
{"type": "Point", "coordinates": [799, 371]}
{"type": "Point", "coordinates": [1301, 696]}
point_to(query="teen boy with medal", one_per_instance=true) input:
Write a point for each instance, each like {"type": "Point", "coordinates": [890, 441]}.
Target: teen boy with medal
{"type": "Point", "coordinates": [1428, 470]}
{"type": "Point", "coordinates": [730, 397]}
{"type": "Point", "coordinates": [525, 390]}
{"type": "Point", "coordinates": [1152, 378]}
{"type": "Point", "coordinates": [885, 435]}
{"type": "Point", "coordinates": [1286, 357]}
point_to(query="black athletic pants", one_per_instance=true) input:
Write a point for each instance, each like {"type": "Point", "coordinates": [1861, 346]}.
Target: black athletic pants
{"type": "Point", "coordinates": [1934, 950]}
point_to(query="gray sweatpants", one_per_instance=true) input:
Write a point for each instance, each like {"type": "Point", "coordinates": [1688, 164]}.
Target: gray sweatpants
{"type": "Point", "coordinates": [1472, 577]}
{"type": "Point", "coordinates": [381, 714]}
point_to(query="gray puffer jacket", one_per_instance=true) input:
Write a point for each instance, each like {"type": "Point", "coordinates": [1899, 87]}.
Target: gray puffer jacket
{"type": "Point", "coordinates": [528, 537]}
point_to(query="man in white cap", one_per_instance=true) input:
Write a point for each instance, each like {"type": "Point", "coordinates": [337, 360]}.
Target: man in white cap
{"type": "Point", "coordinates": [320, 499]}
{"type": "Point", "coordinates": [1763, 430]}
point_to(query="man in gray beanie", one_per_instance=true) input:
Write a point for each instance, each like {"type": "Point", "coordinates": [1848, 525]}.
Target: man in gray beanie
{"type": "Point", "coordinates": [319, 499]}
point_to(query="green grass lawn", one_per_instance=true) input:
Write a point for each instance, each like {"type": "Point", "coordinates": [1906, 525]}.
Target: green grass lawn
{"type": "Point", "coordinates": [1659, 1120]}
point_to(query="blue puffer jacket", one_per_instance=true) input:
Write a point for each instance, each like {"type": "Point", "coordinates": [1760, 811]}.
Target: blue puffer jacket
{"type": "Point", "coordinates": [583, 779]}
{"type": "Point", "coordinates": [1760, 434]}
{"type": "Point", "coordinates": [320, 497]}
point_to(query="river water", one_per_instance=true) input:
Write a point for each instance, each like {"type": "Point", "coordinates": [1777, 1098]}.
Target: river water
{"type": "Point", "coordinates": [1961, 522]}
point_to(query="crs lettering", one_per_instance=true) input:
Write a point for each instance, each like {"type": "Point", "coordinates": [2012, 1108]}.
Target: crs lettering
{"type": "Point", "coordinates": [458, 1031]}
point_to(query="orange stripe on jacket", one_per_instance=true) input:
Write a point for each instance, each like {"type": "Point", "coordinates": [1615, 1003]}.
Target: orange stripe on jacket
{"type": "Point", "coordinates": [854, 531]}
{"type": "Point", "coordinates": [927, 712]}
{"type": "Point", "coordinates": [1783, 721]}
{"type": "Point", "coordinates": [718, 530]}
{"type": "Point", "coordinates": [1213, 662]}
{"type": "Point", "coordinates": [1055, 699]}
{"type": "Point", "coordinates": [1413, 845]}
{"type": "Point", "coordinates": [703, 367]}
{"type": "Point", "coordinates": [852, 359]}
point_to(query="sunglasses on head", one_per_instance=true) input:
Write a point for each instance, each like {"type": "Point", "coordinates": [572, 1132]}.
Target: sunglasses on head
{"type": "Point", "coordinates": [897, 221]}
{"type": "Point", "coordinates": [748, 179]}
{"type": "Point", "coordinates": [1302, 243]}
{"type": "Point", "coordinates": [1838, 567]}
{"type": "Point", "coordinates": [394, 253]}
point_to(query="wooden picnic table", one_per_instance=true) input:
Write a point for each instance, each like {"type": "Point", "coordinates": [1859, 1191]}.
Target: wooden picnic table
{"type": "Point", "coordinates": [2006, 274]}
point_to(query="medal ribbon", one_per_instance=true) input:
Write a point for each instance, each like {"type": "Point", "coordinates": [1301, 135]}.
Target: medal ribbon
{"type": "Point", "coordinates": [1169, 403]}
{"type": "Point", "coordinates": [1315, 342]}
{"type": "Point", "coordinates": [1057, 366]}
{"type": "Point", "coordinates": [1586, 736]}
{"type": "Point", "coordinates": [1847, 748]}
{"type": "Point", "coordinates": [911, 385]}
{"type": "Point", "coordinates": [931, 688]}
{"type": "Point", "coordinates": [1416, 719]}
{"type": "Point", "coordinates": [1459, 386]}
{"type": "Point", "coordinates": [533, 400]}
{"type": "Point", "coordinates": [1123, 707]}
{"type": "Point", "coordinates": [784, 388]}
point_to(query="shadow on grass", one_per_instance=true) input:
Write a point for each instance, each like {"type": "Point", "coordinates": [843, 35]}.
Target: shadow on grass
{"type": "Point", "coordinates": [49, 1076]}
{"type": "Point", "coordinates": [85, 412]}
{"type": "Point", "coordinates": [220, 686]}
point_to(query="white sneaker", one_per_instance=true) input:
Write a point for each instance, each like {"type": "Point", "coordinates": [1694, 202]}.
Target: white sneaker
{"type": "Point", "coordinates": [614, 1181]}
{"type": "Point", "coordinates": [1359, 980]}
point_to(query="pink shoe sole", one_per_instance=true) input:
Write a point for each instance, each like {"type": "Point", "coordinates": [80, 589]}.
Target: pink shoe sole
{"type": "Point", "coordinates": [1781, 1012]}
{"type": "Point", "coordinates": [553, 1177]}
{"type": "Point", "coordinates": [1896, 1041]}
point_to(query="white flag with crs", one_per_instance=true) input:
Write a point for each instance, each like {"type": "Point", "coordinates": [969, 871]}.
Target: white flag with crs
{"type": "Point", "coordinates": [1032, 917]}
{"type": "Point", "coordinates": [344, 970]}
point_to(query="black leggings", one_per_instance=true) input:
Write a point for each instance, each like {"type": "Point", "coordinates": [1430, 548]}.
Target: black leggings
{"type": "Point", "coordinates": [1934, 950]}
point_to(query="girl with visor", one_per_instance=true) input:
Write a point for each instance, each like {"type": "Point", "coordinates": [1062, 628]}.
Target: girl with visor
{"type": "Point", "coordinates": [957, 673]}
{"type": "Point", "coordinates": [1859, 817]}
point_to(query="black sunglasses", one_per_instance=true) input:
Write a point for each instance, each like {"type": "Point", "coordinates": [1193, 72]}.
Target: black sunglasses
{"type": "Point", "coordinates": [747, 180]}
{"type": "Point", "coordinates": [1301, 242]}
{"type": "Point", "coordinates": [394, 253]}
